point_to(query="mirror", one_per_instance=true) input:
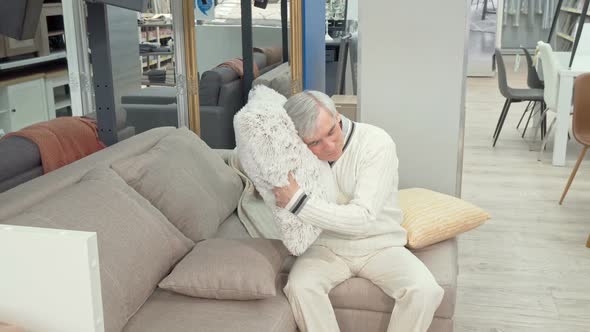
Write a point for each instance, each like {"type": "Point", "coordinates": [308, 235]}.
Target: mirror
{"type": "Point", "coordinates": [239, 45]}
{"type": "Point", "coordinates": [268, 45]}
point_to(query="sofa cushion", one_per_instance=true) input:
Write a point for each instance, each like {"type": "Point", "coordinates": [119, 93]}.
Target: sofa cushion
{"type": "Point", "coordinates": [210, 83]}
{"type": "Point", "coordinates": [278, 79]}
{"type": "Point", "coordinates": [441, 260]}
{"type": "Point", "coordinates": [431, 217]}
{"type": "Point", "coordinates": [350, 320]}
{"type": "Point", "coordinates": [171, 312]}
{"type": "Point", "coordinates": [137, 246]}
{"type": "Point", "coordinates": [225, 269]}
{"type": "Point", "coordinates": [187, 181]}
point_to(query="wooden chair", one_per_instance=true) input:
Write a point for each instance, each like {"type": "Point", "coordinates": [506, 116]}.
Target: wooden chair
{"type": "Point", "coordinates": [581, 124]}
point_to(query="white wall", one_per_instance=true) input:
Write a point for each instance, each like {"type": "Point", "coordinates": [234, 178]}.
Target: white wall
{"type": "Point", "coordinates": [412, 83]}
{"type": "Point", "coordinates": [219, 43]}
{"type": "Point", "coordinates": [352, 12]}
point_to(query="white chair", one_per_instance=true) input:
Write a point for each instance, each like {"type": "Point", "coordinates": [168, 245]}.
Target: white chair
{"type": "Point", "coordinates": [551, 67]}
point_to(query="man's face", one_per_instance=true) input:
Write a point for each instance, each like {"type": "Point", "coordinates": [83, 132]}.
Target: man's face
{"type": "Point", "coordinates": [328, 141]}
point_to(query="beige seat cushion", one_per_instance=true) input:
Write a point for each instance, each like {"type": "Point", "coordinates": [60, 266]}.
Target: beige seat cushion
{"type": "Point", "coordinates": [187, 181]}
{"type": "Point", "coordinates": [441, 260]}
{"type": "Point", "coordinates": [361, 294]}
{"type": "Point", "coordinates": [171, 312]}
{"type": "Point", "coordinates": [350, 320]}
{"type": "Point", "coordinates": [137, 246]}
{"type": "Point", "coordinates": [431, 217]}
{"type": "Point", "coordinates": [226, 269]}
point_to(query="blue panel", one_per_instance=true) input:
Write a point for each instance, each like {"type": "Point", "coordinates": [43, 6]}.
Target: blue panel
{"type": "Point", "coordinates": [314, 45]}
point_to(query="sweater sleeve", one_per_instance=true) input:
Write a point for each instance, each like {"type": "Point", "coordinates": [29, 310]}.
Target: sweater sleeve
{"type": "Point", "coordinates": [377, 178]}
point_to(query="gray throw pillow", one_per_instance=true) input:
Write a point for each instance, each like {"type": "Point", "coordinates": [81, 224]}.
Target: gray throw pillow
{"type": "Point", "coordinates": [228, 269]}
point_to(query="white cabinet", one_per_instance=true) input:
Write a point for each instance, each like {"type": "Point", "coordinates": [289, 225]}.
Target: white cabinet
{"type": "Point", "coordinates": [23, 104]}
{"type": "Point", "coordinates": [57, 92]}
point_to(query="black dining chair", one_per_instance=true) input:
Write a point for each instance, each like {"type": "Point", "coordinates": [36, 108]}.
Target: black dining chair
{"type": "Point", "coordinates": [512, 95]}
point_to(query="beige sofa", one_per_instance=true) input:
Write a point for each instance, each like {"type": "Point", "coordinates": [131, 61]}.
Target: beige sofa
{"type": "Point", "coordinates": [133, 260]}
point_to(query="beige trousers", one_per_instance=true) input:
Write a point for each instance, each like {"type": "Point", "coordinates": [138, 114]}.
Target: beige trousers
{"type": "Point", "coordinates": [395, 270]}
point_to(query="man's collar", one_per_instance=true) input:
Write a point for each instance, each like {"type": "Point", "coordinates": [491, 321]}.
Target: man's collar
{"type": "Point", "coordinates": [347, 130]}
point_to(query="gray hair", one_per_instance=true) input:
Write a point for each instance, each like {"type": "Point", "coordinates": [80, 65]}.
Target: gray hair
{"type": "Point", "coordinates": [304, 107]}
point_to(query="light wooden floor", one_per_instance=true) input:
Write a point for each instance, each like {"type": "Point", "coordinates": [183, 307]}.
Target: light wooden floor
{"type": "Point", "coordinates": [527, 269]}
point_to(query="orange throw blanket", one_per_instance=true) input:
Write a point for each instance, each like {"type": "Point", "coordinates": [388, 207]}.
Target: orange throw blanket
{"type": "Point", "coordinates": [62, 141]}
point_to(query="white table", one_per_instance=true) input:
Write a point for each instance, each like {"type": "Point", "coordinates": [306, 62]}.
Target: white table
{"type": "Point", "coordinates": [564, 104]}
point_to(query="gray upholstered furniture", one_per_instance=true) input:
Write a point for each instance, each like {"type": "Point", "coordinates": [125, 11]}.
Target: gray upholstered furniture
{"type": "Point", "coordinates": [278, 79]}
{"type": "Point", "coordinates": [359, 305]}
{"type": "Point", "coordinates": [220, 97]}
{"type": "Point", "coordinates": [157, 95]}
{"type": "Point", "coordinates": [21, 162]}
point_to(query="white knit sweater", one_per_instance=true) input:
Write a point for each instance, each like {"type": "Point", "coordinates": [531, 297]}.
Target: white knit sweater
{"type": "Point", "coordinates": [367, 216]}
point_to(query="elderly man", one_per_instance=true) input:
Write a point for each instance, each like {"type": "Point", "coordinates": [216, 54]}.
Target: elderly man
{"type": "Point", "coordinates": [362, 235]}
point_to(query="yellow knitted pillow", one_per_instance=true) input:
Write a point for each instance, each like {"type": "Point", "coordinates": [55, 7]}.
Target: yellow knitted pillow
{"type": "Point", "coordinates": [431, 217]}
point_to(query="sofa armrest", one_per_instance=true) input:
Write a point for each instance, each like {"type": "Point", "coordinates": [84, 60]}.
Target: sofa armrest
{"type": "Point", "coordinates": [217, 127]}
{"type": "Point", "coordinates": [145, 116]}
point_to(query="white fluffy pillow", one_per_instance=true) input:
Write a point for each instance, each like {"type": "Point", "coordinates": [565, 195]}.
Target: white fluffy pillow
{"type": "Point", "coordinates": [269, 148]}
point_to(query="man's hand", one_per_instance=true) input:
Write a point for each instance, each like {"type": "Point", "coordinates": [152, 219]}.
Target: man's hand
{"type": "Point", "coordinates": [284, 194]}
